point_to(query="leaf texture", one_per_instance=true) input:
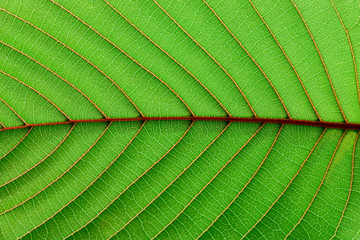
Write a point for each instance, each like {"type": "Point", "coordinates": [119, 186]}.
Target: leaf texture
{"type": "Point", "coordinates": [184, 119]}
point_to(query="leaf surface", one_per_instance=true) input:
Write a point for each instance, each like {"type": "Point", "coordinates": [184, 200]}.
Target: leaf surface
{"type": "Point", "coordinates": [179, 119]}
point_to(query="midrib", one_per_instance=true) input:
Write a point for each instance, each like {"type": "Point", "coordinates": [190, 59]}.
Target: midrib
{"type": "Point", "coordinates": [350, 126]}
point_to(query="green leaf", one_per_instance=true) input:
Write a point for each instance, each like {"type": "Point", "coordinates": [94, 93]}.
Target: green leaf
{"type": "Point", "coordinates": [179, 119]}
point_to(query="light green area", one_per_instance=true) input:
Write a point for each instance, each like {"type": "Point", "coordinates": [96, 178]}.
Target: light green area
{"type": "Point", "coordinates": [11, 119]}
{"type": "Point", "coordinates": [154, 98]}
{"type": "Point", "coordinates": [350, 228]}
{"type": "Point", "coordinates": [331, 197]}
{"type": "Point", "coordinates": [179, 179]}
{"type": "Point", "coordinates": [36, 146]}
{"type": "Point", "coordinates": [9, 139]}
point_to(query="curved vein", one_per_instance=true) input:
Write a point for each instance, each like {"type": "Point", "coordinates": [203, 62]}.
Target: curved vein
{"type": "Point", "coordinates": [27, 133]}
{"type": "Point", "coordinates": [288, 59]}
{"type": "Point", "coordinates": [57, 75]}
{"type": "Point", "coordinates": [351, 48]}
{"type": "Point", "coordinates": [217, 63]}
{"type": "Point", "coordinates": [252, 177]}
{"type": "Point", "coordinates": [282, 193]}
{"type": "Point", "coordinates": [321, 183]}
{"type": "Point", "coordinates": [18, 115]}
{"type": "Point", "coordinates": [62, 141]}
{"type": "Point", "coordinates": [356, 23]}
{"type": "Point", "coordinates": [322, 60]}
{"type": "Point", "coordinates": [62, 174]}
{"type": "Point", "coordinates": [131, 140]}
{"type": "Point", "coordinates": [251, 57]}
{"type": "Point", "coordinates": [351, 185]}
{"type": "Point", "coordinates": [126, 54]}
{"type": "Point", "coordinates": [177, 177]}
{"type": "Point", "coordinates": [72, 50]}
{"type": "Point", "coordinates": [133, 182]}
{"type": "Point", "coordinates": [172, 58]}
{"type": "Point", "coordinates": [211, 180]}
{"type": "Point", "coordinates": [36, 91]}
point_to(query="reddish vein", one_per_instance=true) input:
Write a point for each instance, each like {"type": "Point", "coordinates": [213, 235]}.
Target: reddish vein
{"type": "Point", "coordinates": [322, 60]}
{"type": "Point", "coordinates": [57, 75]}
{"type": "Point", "coordinates": [72, 50]}
{"type": "Point", "coordinates": [353, 126]}
{"type": "Point", "coordinates": [33, 89]}
{"type": "Point", "coordinates": [27, 133]}
{"type": "Point", "coordinates": [133, 182]}
{"type": "Point", "coordinates": [171, 183]}
{"type": "Point", "coordinates": [321, 183]}
{"type": "Point", "coordinates": [126, 54]}
{"type": "Point", "coordinates": [287, 58]}
{"type": "Point", "coordinates": [211, 180]}
{"type": "Point", "coordinates": [101, 135]}
{"type": "Point", "coordinates": [351, 184]}
{"type": "Point", "coordinates": [251, 57]}
{"type": "Point", "coordinates": [351, 48]}
{"type": "Point", "coordinates": [88, 186]}
{"type": "Point", "coordinates": [17, 114]}
{"type": "Point", "coordinates": [245, 186]}
{"type": "Point", "coordinates": [288, 185]}
{"type": "Point", "coordinates": [197, 43]}
{"type": "Point", "coordinates": [42, 160]}
{"type": "Point", "coordinates": [177, 62]}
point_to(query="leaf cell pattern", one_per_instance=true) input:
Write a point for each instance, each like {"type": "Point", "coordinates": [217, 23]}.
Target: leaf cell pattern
{"type": "Point", "coordinates": [179, 119]}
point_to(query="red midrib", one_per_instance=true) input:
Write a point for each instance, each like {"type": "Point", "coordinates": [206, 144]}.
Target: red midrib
{"type": "Point", "coordinates": [353, 126]}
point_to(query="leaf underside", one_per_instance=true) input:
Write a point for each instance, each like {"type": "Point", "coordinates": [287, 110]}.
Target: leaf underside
{"type": "Point", "coordinates": [133, 119]}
